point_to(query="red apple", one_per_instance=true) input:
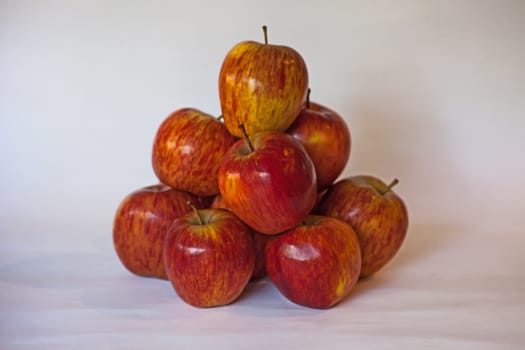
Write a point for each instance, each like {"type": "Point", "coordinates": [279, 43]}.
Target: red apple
{"type": "Point", "coordinates": [187, 150]}
{"type": "Point", "coordinates": [259, 240]}
{"type": "Point", "coordinates": [209, 257]}
{"type": "Point", "coordinates": [325, 136]}
{"type": "Point", "coordinates": [377, 214]}
{"type": "Point", "coordinates": [218, 202]}
{"type": "Point", "coordinates": [261, 86]}
{"type": "Point", "coordinates": [315, 264]}
{"type": "Point", "coordinates": [268, 181]}
{"type": "Point", "coordinates": [141, 223]}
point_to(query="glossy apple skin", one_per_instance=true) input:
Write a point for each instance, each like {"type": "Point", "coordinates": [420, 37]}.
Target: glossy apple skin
{"type": "Point", "coordinates": [209, 264]}
{"type": "Point", "coordinates": [315, 264]}
{"type": "Point", "coordinates": [261, 86]}
{"type": "Point", "coordinates": [188, 149]}
{"type": "Point", "coordinates": [326, 137]}
{"type": "Point", "coordinates": [140, 225]}
{"type": "Point", "coordinates": [380, 220]}
{"type": "Point", "coordinates": [271, 188]}
{"type": "Point", "coordinates": [259, 240]}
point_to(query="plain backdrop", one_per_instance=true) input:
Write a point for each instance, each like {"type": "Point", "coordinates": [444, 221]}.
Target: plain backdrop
{"type": "Point", "coordinates": [432, 91]}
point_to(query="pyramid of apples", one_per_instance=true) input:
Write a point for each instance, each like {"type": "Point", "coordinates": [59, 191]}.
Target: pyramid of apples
{"type": "Point", "coordinates": [256, 193]}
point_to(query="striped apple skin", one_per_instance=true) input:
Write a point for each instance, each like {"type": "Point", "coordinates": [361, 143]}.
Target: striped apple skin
{"type": "Point", "coordinates": [141, 223]}
{"type": "Point", "coordinates": [261, 86]}
{"type": "Point", "coordinates": [187, 151]}
{"type": "Point", "coordinates": [315, 264]}
{"type": "Point", "coordinates": [326, 138]}
{"type": "Point", "coordinates": [209, 263]}
{"type": "Point", "coordinates": [379, 219]}
{"type": "Point", "coordinates": [271, 188]}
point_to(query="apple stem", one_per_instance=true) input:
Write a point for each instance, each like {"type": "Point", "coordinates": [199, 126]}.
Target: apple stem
{"type": "Point", "coordinates": [389, 187]}
{"type": "Point", "coordinates": [308, 98]}
{"type": "Point", "coordinates": [196, 211]}
{"type": "Point", "coordinates": [265, 31]}
{"type": "Point", "coordinates": [245, 134]}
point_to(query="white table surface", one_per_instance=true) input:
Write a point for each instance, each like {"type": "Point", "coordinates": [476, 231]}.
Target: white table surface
{"type": "Point", "coordinates": [449, 287]}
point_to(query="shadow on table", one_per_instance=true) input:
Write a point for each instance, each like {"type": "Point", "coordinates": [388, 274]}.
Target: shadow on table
{"type": "Point", "coordinates": [423, 241]}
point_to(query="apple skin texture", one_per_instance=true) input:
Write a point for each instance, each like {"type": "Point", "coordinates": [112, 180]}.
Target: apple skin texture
{"type": "Point", "coordinates": [315, 264]}
{"type": "Point", "coordinates": [209, 264]}
{"type": "Point", "coordinates": [262, 87]}
{"type": "Point", "coordinates": [188, 149]}
{"type": "Point", "coordinates": [326, 138]}
{"type": "Point", "coordinates": [380, 220]}
{"type": "Point", "coordinates": [259, 240]}
{"type": "Point", "coordinates": [140, 225]}
{"type": "Point", "coordinates": [271, 188]}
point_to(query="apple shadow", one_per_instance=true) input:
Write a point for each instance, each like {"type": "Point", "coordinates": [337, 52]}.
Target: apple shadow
{"type": "Point", "coordinates": [423, 241]}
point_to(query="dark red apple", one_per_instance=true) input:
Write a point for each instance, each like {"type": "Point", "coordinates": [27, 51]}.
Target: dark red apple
{"type": "Point", "coordinates": [209, 257]}
{"type": "Point", "coordinates": [325, 136]}
{"type": "Point", "coordinates": [315, 210]}
{"type": "Point", "coordinates": [141, 223]}
{"type": "Point", "coordinates": [187, 150]}
{"type": "Point", "coordinates": [261, 86]}
{"type": "Point", "coordinates": [315, 264]}
{"type": "Point", "coordinates": [259, 240]}
{"type": "Point", "coordinates": [377, 214]}
{"type": "Point", "coordinates": [268, 181]}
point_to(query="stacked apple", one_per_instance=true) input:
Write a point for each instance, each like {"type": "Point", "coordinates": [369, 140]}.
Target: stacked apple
{"type": "Point", "coordinates": [256, 194]}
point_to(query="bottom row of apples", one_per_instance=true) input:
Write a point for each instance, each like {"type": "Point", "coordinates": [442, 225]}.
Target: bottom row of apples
{"type": "Point", "coordinates": [210, 255]}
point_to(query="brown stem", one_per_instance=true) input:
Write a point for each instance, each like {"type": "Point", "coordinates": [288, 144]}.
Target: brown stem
{"type": "Point", "coordinates": [389, 187]}
{"type": "Point", "coordinates": [265, 31]}
{"type": "Point", "coordinates": [201, 222]}
{"type": "Point", "coordinates": [308, 98]}
{"type": "Point", "coordinates": [245, 134]}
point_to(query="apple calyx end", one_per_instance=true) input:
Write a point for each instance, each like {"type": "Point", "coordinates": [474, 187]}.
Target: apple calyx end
{"type": "Point", "coordinates": [196, 211]}
{"type": "Point", "coordinates": [245, 135]}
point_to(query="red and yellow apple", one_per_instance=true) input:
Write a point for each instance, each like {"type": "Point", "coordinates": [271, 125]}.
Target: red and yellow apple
{"type": "Point", "coordinates": [375, 211]}
{"type": "Point", "coordinates": [140, 225]}
{"type": "Point", "coordinates": [325, 136]}
{"type": "Point", "coordinates": [315, 264]}
{"type": "Point", "coordinates": [268, 181]}
{"type": "Point", "coordinates": [187, 151]}
{"type": "Point", "coordinates": [209, 257]}
{"type": "Point", "coordinates": [261, 86]}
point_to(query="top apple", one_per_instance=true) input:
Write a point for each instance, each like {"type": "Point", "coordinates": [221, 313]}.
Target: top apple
{"type": "Point", "coordinates": [261, 86]}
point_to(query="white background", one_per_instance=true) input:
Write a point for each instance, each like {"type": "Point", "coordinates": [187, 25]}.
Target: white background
{"type": "Point", "coordinates": [433, 93]}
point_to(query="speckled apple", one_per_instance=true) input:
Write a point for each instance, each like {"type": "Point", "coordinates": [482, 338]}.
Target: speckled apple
{"type": "Point", "coordinates": [209, 257]}
{"type": "Point", "coordinates": [315, 264]}
{"type": "Point", "coordinates": [377, 214]}
{"type": "Point", "coordinates": [187, 150]}
{"type": "Point", "coordinates": [262, 86]}
{"type": "Point", "coordinates": [326, 137]}
{"type": "Point", "coordinates": [141, 223]}
{"type": "Point", "coordinates": [268, 180]}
